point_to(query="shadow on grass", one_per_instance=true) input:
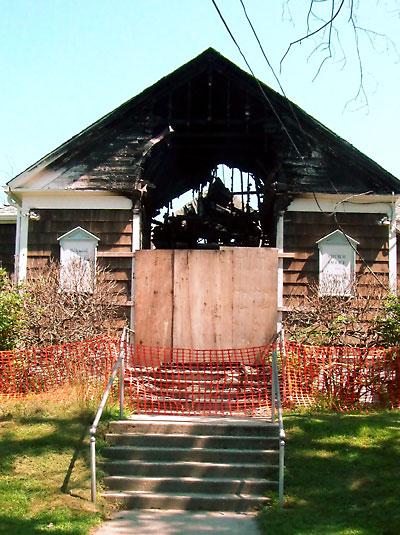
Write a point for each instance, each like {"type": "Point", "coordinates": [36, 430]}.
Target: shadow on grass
{"type": "Point", "coordinates": [64, 434]}
{"type": "Point", "coordinates": [341, 476]}
{"type": "Point", "coordinates": [73, 523]}
{"type": "Point", "coordinates": [39, 450]}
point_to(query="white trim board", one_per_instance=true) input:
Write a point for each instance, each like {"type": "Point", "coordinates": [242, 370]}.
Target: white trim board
{"type": "Point", "coordinates": [339, 204]}
{"type": "Point", "coordinates": [74, 200]}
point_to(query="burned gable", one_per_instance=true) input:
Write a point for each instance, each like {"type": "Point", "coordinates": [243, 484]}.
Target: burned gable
{"type": "Point", "coordinates": [174, 136]}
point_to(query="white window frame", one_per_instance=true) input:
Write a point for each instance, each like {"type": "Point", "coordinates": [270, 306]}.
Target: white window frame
{"type": "Point", "coordinates": [337, 264]}
{"type": "Point", "coordinates": [78, 252]}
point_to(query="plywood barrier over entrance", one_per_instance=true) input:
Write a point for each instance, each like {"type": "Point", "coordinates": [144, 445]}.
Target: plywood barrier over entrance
{"type": "Point", "coordinates": [206, 299]}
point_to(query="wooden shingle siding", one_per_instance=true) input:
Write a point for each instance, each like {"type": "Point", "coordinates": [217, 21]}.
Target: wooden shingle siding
{"type": "Point", "coordinates": [7, 246]}
{"type": "Point", "coordinates": [112, 227]}
{"type": "Point", "coordinates": [302, 230]}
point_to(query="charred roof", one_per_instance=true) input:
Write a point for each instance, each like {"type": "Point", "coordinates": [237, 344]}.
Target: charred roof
{"type": "Point", "coordinates": [168, 138]}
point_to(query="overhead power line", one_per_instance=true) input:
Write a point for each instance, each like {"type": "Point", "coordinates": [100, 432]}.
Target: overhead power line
{"type": "Point", "coordinates": [272, 107]}
{"type": "Point", "coordinates": [334, 214]}
{"type": "Point", "coordinates": [273, 70]}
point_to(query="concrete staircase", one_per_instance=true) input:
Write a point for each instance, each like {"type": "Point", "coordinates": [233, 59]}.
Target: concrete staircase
{"type": "Point", "coordinates": [191, 463]}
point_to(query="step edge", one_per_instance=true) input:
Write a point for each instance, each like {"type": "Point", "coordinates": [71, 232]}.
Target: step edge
{"type": "Point", "coordinates": [189, 479]}
{"type": "Point", "coordinates": [222, 497]}
{"type": "Point", "coordinates": [181, 450]}
{"type": "Point", "coordinates": [181, 435]}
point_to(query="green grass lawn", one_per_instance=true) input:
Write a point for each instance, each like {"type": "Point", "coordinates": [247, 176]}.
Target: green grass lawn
{"type": "Point", "coordinates": [342, 476]}
{"type": "Point", "coordinates": [342, 473]}
{"type": "Point", "coordinates": [38, 440]}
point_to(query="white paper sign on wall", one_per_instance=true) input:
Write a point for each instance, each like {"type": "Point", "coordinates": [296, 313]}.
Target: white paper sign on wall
{"type": "Point", "coordinates": [78, 260]}
{"type": "Point", "coordinates": [337, 259]}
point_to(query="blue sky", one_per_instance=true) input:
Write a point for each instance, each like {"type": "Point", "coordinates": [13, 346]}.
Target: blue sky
{"type": "Point", "coordinates": [65, 63]}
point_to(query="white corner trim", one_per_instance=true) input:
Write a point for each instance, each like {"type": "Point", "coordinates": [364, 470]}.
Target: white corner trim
{"type": "Point", "coordinates": [338, 203]}
{"type": "Point", "coordinates": [393, 253]}
{"type": "Point", "coordinates": [73, 200]}
{"type": "Point", "coordinates": [279, 246]}
{"type": "Point", "coordinates": [136, 246]}
{"type": "Point", "coordinates": [21, 246]}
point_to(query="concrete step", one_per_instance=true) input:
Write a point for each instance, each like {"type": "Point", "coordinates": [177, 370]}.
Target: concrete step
{"type": "Point", "coordinates": [198, 373]}
{"type": "Point", "coordinates": [209, 382]}
{"type": "Point", "coordinates": [192, 441]}
{"type": "Point", "coordinates": [189, 485]}
{"type": "Point", "coordinates": [160, 405]}
{"type": "Point", "coordinates": [224, 392]}
{"type": "Point", "coordinates": [189, 469]}
{"type": "Point", "coordinates": [195, 425]}
{"type": "Point", "coordinates": [189, 502]}
{"type": "Point", "coordinates": [193, 454]}
{"type": "Point", "coordinates": [214, 397]}
{"type": "Point", "coordinates": [191, 462]}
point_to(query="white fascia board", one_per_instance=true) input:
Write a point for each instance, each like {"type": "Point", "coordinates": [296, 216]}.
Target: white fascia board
{"type": "Point", "coordinates": [8, 218]}
{"type": "Point", "coordinates": [81, 232]}
{"type": "Point", "coordinates": [78, 200]}
{"type": "Point", "coordinates": [38, 179]}
{"type": "Point", "coordinates": [338, 233]}
{"type": "Point", "coordinates": [361, 204]}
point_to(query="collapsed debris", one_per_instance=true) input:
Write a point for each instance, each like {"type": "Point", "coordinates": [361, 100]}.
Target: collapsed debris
{"type": "Point", "coordinates": [215, 217]}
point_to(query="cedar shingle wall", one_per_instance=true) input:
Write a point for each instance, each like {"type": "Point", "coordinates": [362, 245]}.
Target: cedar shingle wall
{"type": "Point", "coordinates": [113, 227]}
{"type": "Point", "coordinates": [7, 246]}
{"type": "Point", "coordinates": [302, 230]}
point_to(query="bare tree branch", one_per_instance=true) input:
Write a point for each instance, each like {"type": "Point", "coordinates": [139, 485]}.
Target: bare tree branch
{"type": "Point", "coordinates": [326, 29]}
{"type": "Point", "coordinates": [315, 32]}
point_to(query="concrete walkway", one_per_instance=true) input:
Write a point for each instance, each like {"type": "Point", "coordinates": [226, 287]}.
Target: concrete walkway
{"type": "Point", "coordinates": [153, 522]}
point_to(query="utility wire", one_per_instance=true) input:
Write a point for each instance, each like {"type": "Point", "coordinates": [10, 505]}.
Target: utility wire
{"type": "Point", "coordinates": [257, 80]}
{"type": "Point", "coordinates": [339, 227]}
{"type": "Point", "coordinates": [273, 71]}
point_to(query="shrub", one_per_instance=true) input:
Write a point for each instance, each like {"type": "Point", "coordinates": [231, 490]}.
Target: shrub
{"type": "Point", "coordinates": [388, 322]}
{"type": "Point", "coordinates": [55, 315]}
{"type": "Point", "coordinates": [349, 320]}
{"type": "Point", "coordinates": [11, 312]}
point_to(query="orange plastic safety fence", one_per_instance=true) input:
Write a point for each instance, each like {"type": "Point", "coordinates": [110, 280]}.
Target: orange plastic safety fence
{"type": "Point", "coordinates": [343, 377]}
{"type": "Point", "coordinates": [42, 369]}
{"type": "Point", "coordinates": [211, 382]}
{"type": "Point", "coordinates": [199, 382]}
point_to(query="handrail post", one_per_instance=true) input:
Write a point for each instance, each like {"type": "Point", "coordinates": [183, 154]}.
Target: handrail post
{"type": "Point", "coordinates": [276, 393]}
{"type": "Point", "coordinates": [281, 469]}
{"type": "Point", "coordinates": [119, 366]}
{"type": "Point", "coordinates": [122, 377]}
{"type": "Point", "coordinates": [273, 388]}
{"type": "Point", "coordinates": [93, 482]}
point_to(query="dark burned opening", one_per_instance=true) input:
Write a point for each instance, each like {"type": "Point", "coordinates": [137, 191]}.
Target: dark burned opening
{"type": "Point", "coordinates": [236, 197]}
{"type": "Point", "coordinates": [199, 126]}
{"type": "Point", "coordinates": [223, 211]}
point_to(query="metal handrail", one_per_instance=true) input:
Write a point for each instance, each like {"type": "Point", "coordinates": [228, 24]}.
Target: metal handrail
{"type": "Point", "coordinates": [118, 366]}
{"type": "Point", "coordinates": [276, 406]}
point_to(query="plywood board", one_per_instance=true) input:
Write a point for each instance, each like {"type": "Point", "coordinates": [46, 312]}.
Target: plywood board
{"type": "Point", "coordinates": [202, 299]}
{"type": "Point", "coordinates": [206, 299]}
{"type": "Point", "coordinates": [254, 316]}
{"type": "Point", "coordinates": [153, 298]}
